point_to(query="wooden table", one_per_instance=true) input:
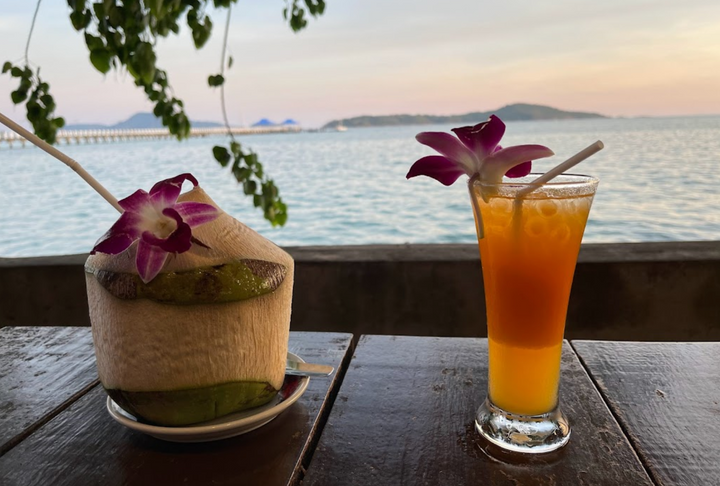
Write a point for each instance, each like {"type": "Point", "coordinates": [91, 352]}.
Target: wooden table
{"type": "Point", "coordinates": [55, 430]}
{"type": "Point", "coordinates": [405, 416]}
{"type": "Point", "coordinates": [399, 413]}
{"type": "Point", "coordinates": [667, 399]}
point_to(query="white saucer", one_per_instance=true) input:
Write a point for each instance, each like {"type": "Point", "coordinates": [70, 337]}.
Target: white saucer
{"type": "Point", "coordinates": [221, 428]}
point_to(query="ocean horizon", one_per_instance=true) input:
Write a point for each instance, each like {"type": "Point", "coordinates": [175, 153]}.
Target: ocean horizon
{"type": "Point", "coordinates": [658, 182]}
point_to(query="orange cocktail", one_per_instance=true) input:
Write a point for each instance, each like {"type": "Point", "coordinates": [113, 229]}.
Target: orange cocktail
{"type": "Point", "coordinates": [528, 252]}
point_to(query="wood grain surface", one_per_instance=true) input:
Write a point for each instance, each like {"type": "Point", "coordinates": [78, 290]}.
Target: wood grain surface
{"type": "Point", "coordinates": [667, 398]}
{"type": "Point", "coordinates": [42, 370]}
{"type": "Point", "coordinates": [83, 445]}
{"type": "Point", "coordinates": [405, 416]}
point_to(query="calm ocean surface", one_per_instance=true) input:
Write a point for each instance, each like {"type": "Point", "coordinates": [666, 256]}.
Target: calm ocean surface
{"type": "Point", "coordinates": [659, 181]}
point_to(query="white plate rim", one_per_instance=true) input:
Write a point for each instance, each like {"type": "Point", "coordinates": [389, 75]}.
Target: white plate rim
{"type": "Point", "coordinates": [223, 424]}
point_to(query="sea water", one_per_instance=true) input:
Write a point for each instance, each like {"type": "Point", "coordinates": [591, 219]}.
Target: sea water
{"type": "Point", "coordinates": [659, 181]}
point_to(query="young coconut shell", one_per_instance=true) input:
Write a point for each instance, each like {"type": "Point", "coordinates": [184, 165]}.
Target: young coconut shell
{"type": "Point", "coordinates": [206, 337]}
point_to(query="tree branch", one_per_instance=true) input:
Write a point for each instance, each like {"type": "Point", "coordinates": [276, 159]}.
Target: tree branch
{"type": "Point", "coordinates": [32, 27]}
{"type": "Point", "coordinates": [222, 72]}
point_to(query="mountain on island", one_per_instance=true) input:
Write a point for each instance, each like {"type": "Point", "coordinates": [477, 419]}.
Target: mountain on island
{"type": "Point", "coordinates": [138, 120]}
{"type": "Point", "coordinates": [269, 123]}
{"type": "Point", "coordinates": [264, 123]}
{"type": "Point", "coordinates": [515, 112]}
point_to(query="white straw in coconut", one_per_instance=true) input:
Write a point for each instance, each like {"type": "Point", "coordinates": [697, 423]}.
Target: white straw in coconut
{"type": "Point", "coordinates": [31, 137]}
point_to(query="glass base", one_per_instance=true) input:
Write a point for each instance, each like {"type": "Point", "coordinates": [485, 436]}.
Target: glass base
{"type": "Point", "coordinates": [533, 434]}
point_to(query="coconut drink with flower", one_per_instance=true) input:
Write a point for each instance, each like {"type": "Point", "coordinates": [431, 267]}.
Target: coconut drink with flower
{"type": "Point", "coordinates": [190, 309]}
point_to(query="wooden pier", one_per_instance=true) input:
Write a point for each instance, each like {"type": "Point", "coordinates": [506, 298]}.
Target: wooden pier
{"type": "Point", "coordinates": [68, 137]}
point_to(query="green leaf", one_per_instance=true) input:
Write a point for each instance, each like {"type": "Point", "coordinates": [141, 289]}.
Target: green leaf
{"type": "Point", "coordinates": [192, 17]}
{"type": "Point", "coordinates": [241, 173]}
{"type": "Point", "coordinates": [18, 96]}
{"type": "Point", "coordinates": [155, 6]}
{"type": "Point", "coordinates": [100, 58]}
{"type": "Point", "coordinates": [99, 9]}
{"type": "Point", "coordinates": [93, 42]}
{"type": "Point", "coordinates": [221, 155]}
{"type": "Point", "coordinates": [216, 80]}
{"type": "Point", "coordinates": [45, 132]}
{"type": "Point", "coordinates": [183, 126]}
{"type": "Point", "coordinates": [159, 109]}
{"type": "Point", "coordinates": [280, 215]}
{"type": "Point", "coordinates": [115, 17]}
{"type": "Point", "coordinates": [48, 101]}
{"type": "Point", "coordinates": [161, 78]}
{"type": "Point", "coordinates": [235, 148]}
{"type": "Point", "coordinates": [144, 62]}
{"type": "Point", "coordinates": [77, 18]}
{"type": "Point", "coordinates": [168, 110]}
{"type": "Point", "coordinates": [88, 18]}
{"type": "Point", "coordinates": [230, 62]}
{"type": "Point", "coordinates": [311, 6]}
{"type": "Point", "coordinates": [269, 190]}
{"type": "Point", "coordinates": [201, 32]}
{"type": "Point", "coordinates": [34, 112]}
{"type": "Point", "coordinates": [73, 4]}
{"type": "Point", "coordinates": [25, 84]}
{"type": "Point", "coordinates": [7, 67]}
{"type": "Point", "coordinates": [16, 72]}
{"type": "Point", "coordinates": [249, 187]}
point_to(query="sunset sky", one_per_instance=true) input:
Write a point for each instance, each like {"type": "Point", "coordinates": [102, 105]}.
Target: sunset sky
{"type": "Point", "coordinates": [375, 57]}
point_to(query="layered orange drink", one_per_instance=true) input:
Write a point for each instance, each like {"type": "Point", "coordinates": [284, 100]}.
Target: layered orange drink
{"type": "Point", "coordinates": [528, 251]}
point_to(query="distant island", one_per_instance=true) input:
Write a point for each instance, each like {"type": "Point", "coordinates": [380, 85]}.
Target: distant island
{"type": "Point", "coordinates": [515, 112]}
{"type": "Point", "coordinates": [138, 120]}
{"type": "Point", "coordinates": [148, 120]}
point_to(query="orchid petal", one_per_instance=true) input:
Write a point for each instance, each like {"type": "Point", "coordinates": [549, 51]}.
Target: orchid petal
{"type": "Point", "coordinates": [150, 260]}
{"type": "Point", "coordinates": [195, 213]}
{"type": "Point", "coordinates": [112, 244]}
{"type": "Point", "coordinates": [120, 235]}
{"type": "Point", "coordinates": [165, 193]}
{"type": "Point", "coordinates": [136, 201]}
{"type": "Point", "coordinates": [452, 148]}
{"type": "Point", "coordinates": [439, 168]}
{"type": "Point", "coordinates": [520, 170]}
{"type": "Point", "coordinates": [497, 164]}
{"type": "Point", "coordinates": [179, 240]}
{"type": "Point", "coordinates": [483, 138]}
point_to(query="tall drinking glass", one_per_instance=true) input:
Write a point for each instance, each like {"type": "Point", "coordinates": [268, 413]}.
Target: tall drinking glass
{"type": "Point", "coordinates": [528, 251]}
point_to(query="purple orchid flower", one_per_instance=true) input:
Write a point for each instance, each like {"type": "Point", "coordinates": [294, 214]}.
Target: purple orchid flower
{"type": "Point", "coordinates": [475, 152]}
{"type": "Point", "coordinates": [159, 223]}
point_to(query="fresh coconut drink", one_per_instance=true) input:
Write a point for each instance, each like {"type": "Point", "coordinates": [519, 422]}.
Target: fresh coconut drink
{"type": "Point", "coordinates": [190, 309]}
